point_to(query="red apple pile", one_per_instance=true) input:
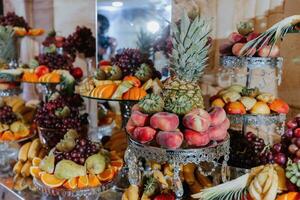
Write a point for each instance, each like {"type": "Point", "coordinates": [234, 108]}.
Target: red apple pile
{"type": "Point", "coordinates": [236, 41]}
{"type": "Point", "coordinates": [196, 129]}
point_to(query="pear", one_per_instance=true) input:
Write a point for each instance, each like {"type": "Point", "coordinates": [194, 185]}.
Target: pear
{"type": "Point", "coordinates": [67, 169]}
{"type": "Point", "coordinates": [66, 145]}
{"type": "Point", "coordinates": [64, 112]}
{"type": "Point", "coordinates": [47, 164]}
{"type": "Point", "coordinates": [231, 96]}
{"type": "Point", "coordinates": [236, 88]}
{"type": "Point", "coordinates": [71, 134]}
{"type": "Point", "coordinates": [96, 163]}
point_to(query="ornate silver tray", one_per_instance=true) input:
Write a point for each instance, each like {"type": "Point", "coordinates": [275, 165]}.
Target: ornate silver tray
{"type": "Point", "coordinates": [10, 92]}
{"type": "Point", "coordinates": [259, 120]}
{"type": "Point", "coordinates": [76, 193]}
{"type": "Point", "coordinates": [210, 155]}
{"type": "Point", "coordinates": [250, 62]}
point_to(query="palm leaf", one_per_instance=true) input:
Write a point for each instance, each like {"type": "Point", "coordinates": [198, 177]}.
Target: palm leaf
{"type": "Point", "coordinates": [235, 189]}
{"type": "Point", "coordinates": [272, 35]}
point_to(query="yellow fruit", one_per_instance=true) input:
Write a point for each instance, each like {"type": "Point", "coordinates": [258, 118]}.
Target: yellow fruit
{"type": "Point", "coordinates": [260, 108]}
{"type": "Point", "coordinates": [36, 161]}
{"type": "Point", "coordinates": [34, 149]}
{"type": "Point", "coordinates": [51, 181]}
{"type": "Point", "coordinates": [35, 171]}
{"type": "Point", "coordinates": [93, 180]}
{"type": "Point", "coordinates": [25, 171]}
{"type": "Point", "coordinates": [83, 181]}
{"type": "Point", "coordinates": [218, 103]}
{"type": "Point", "coordinates": [18, 167]}
{"type": "Point", "coordinates": [23, 152]}
{"type": "Point", "coordinates": [71, 183]}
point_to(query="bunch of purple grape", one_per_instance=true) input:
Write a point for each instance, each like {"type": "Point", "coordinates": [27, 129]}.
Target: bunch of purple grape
{"type": "Point", "coordinates": [46, 117]}
{"type": "Point", "coordinates": [83, 41]}
{"type": "Point", "coordinates": [129, 60]}
{"type": "Point", "coordinates": [84, 148]}
{"type": "Point", "coordinates": [55, 61]}
{"type": "Point", "coordinates": [11, 19]}
{"type": "Point", "coordinates": [7, 116]}
{"type": "Point", "coordinates": [245, 150]}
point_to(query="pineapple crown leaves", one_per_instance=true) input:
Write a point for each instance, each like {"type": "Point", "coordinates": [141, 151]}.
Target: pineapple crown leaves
{"type": "Point", "coordinates": [190, 47]}
{"type": "Point", "coordinates": [7, 43]}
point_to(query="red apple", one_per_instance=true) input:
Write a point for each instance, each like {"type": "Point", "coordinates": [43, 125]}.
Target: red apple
{"type": "Point", "coordinates": [252, 36]}
{"type": "Point", "coordinates": [41, 70]}
{"type": "Point", "coordinates": [297, 132]}
{"type": "Point", "coordinates": [77, 72]}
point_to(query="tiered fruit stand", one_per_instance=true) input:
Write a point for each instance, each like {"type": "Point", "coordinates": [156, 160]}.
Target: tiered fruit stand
{"type": "Point", "coordinates": [167, 130]}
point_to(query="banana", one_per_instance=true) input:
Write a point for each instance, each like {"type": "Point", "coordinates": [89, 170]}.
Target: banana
{"type": "Point", "coordinates": [254, 194]}
{"type": "Point", "coordinates": [188, 173]}
{"type": "Point", "coordinates": [25, 171]}
{"type": "Point", "coordinates": [281, 178]}
{"type": "Point", "coordinates": [133, 192]}
{"type": "Point", "coordinates": [203, 180]}
{"type": "Point", "coordinates": [125, 195]}
{"type": "Point", "coordinates": [272, 192]}
{"type": "Point", "coordinates": [268, 183]}
{"type": "Point", "coordinates": [19, 107]}
{"type": "Point", "coordinates": [257, 186]}
{"type": "Point", "coordinates": [145, 197]}
{"type": "Point", "coordinates": [158, 175]}
{"type": "Point", "coordinates": [34, 149]}
{"type": "Point", "coordinates": [18, 167]}
{"type": "Point", "coordinates": [20, 183]}
{"type": "Point", "coordinates": [3, 127]}
{"type": "Point", "coordinates": [262, 177]}
{"type": "Point", "coordinates": [254, 171]}
{"type": "Point", "coordinates": [23, 152]}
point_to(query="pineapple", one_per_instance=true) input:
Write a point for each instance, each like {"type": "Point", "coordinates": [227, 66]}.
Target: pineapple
{"type": "Point", "coordinates": [7, 45]}
{"type": "Point", "coordinates": [189, 57]}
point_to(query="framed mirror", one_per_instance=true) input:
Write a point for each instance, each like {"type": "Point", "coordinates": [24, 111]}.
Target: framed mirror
{"type": "Point", "coordinates": [132, 24]}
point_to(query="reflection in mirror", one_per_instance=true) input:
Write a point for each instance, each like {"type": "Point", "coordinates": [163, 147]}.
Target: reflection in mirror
{"type": "Point", "coordinates": [132, 24]}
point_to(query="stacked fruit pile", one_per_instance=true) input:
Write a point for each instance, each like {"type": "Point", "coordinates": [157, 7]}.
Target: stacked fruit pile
{"type": "Point", "coordinates": [237, 40]}
{"type": "Point", "coordinates": [149, 123]}
{"type": "Point", "coordinates": [19, 25]}
{"type": "Point", "coordinates": [130, 88]}
{"type": "Point", "coordinates": [15, 115]}
{"type": "Point", "coordinates": [249, 151]}
{"type": "Point", "coordinates": [81, 41]}
{"type": "Point", "coordinates": [75, 163]}
{"type": "Point", "coordinates": [29, 155]}
{"type": "Point", "coordinates": [261, 183]}
{"type": "Point", "coordinates": [238, 99]}
{"type": "Point", "coordinates": [61, 112]}
{"type": "Point", "coordinates": [158, 184]}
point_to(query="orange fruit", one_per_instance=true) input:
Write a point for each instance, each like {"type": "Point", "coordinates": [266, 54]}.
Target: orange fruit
{"type": "Point", "coordinates": [36, 31]}
{"type": "Point", "coordinates": [93, 180]}
{"type": "Point", "coordinates": [51, 181]}
{"type": "Point", "coordinates": [21, 134]}
{"type": "Point", "coordinates": [83, 181]}
{"type": "Point", "coordinates": [35, 171]}
{"type": "Point", "coordinates": [19, 31]}
{"type": "Point", "coordinates": [54, 78]}
{"type": "Point", "coordinates": [36, 161]}
{"type": "Point", "coordinates": [8, 135]}
{"type": "Point", "coordinates": [106, 175]}
{"type": "Point", "coordinates": [71, 183]}
{"type": "Point", "coordinates": [117, 163]}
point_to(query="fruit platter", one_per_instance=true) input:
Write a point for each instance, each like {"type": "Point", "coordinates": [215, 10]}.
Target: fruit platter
{"type": "Point", "coordinates": [75, 167]}
{"type": "Point", "coordinates": [16, 117]}
{"type": "Point", "coordinates": [55, 117]}
{"type": "Point", "coordinates": [130, 75]}
{"type": "Point", "coordinates": [158, 182]}
{"type": "Point", "coordinates": [277, 164]}
{"type": "Point", "coordinates": [249, 109]}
